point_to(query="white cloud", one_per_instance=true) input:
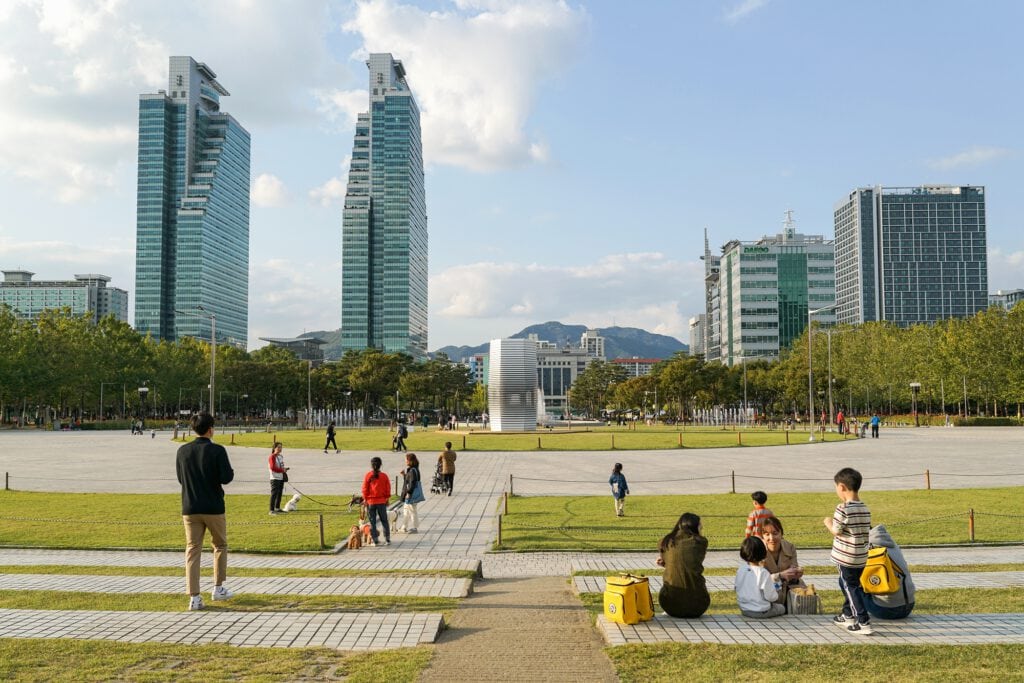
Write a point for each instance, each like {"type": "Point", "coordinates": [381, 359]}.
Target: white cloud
{"type": "Point", "coordinates": [744, 9]}
{"type": "Point", "coordinates": [1005, 269]}
{"type": "Point", "coordinates": [268, 191]}
{"type": "Point", "coordinates": [342, 106]}
{"type": "Point", "coordinates": [289, 297]}
{"type": "Point", "coordinates": [649, 290]}
{"type": "Point", "coordinates": [972, 156]}
{"type": "Point", "coordinates": [475, 71]}
{"type": "Point", "coordinates": [56, 259]}
{"type": "Point", "coordinates": [332, 191]}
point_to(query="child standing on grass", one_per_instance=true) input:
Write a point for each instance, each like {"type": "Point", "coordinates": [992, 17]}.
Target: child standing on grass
{"type": "Point", "coordinates": [849, 526]}
{"type": "Point", "coordinates": [755, 592]}
{"type": "Point", "coordinates": [619, 489]}
{"type": "Point", "coordinates": [755, 520]}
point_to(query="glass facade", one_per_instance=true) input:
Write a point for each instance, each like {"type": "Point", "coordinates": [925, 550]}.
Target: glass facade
{"type": "Point", "coordinates": [911, 255]}
{"type": "Point", "coordinates": [192, 237]}
{"type": "Point", "coordinates": [384, 222]}
{"type": "Point", "coordinates": [85, 295]}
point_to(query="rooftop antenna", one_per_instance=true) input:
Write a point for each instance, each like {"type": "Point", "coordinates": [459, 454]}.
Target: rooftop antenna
{"type": "Point", "coordinates": [789, 226]}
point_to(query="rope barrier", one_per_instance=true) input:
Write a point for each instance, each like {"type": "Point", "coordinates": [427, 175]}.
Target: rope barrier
{"type": "Point", "coordinates": [127, 523]}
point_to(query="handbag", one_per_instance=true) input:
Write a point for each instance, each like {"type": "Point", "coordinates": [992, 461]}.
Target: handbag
{"type": "Point", "coordinates": [417, 493]}
{"type": "Point", "coordinates": [284, 477]}
{"type": "Point", "coordinates": [803, 600]}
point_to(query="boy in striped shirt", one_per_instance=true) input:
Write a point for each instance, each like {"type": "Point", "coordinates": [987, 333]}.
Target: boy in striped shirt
{"type": "Point", "coordinates": [755, 520]}
{"type": "Point", "coordinates": [849, 526]}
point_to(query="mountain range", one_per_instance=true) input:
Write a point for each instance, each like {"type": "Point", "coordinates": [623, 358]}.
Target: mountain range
{"type": "Point", "coordinates": [619, 342]}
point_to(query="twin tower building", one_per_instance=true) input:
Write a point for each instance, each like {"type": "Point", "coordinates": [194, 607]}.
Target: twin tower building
{"type": "Point", "coordinates": [192, 221]}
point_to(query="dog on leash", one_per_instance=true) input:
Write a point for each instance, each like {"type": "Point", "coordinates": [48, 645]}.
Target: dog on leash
{"type": "Point", "coordinates": [355, 538]}
{"type": "Point", "coordinates": [293, 504]}
{"type": "Point", "coordinates": [357, 501]}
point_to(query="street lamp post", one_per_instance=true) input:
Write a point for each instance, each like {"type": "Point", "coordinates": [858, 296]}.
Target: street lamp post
{"type": "Point", "coordinates": [810, 365]}
{"type": "Point", "coordinates": [914, 388]}
{"type": "Point", "coordinates": [201, 312]}
{"type": "Point", "coordinates": [143, 393]}
{"type": "Point", "coordinates": [309, 393]}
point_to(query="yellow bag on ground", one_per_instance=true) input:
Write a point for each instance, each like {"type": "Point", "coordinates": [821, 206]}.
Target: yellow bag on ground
{"type": "Point", "coordinates": [880, 574]}
{"type": "Point", "coordinates": [627, 599]}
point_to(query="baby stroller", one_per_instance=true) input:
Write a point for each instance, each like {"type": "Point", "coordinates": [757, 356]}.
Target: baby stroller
{"type": "Point", "coordinates": [438, 486]}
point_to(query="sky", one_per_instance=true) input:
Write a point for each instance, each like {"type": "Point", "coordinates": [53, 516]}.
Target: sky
{"type": "Point", "coordinates": [575, 151]}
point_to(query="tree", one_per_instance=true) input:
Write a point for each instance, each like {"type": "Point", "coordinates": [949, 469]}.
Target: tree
{"type": "Point", "coordinates": [595, 385]}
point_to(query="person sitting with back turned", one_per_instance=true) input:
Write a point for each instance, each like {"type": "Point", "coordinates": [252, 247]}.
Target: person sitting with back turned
{"type": "Point", "coordinates": [900, 604]}
{"type": "Point", "coordinates": [756, 594]}
{"type": "Point", "coordinates": [684, 592]}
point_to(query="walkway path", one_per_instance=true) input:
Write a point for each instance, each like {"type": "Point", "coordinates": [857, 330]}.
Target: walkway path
{"type": "Point", "coordinates": [341, 630]}
{"type": "Point", "coordinates": [922, 581]}
{"type": "Point", "coordinates": [929, 629]}
{"type": "Point", "coordinates": [520, 629]}
{"type": "Point", "coordinates": [375, 585]}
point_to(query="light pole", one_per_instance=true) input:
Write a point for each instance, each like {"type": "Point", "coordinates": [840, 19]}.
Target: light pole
{"type": "Point", "coordinates": [810, 365]}
{"type": "Point", "coordinates": [201, 312]}
{"type": "Point", "coordinates": [309, 393]}
{"type": "Point", "coordinates": [914, 388]}
{"type": "Point", "coordinates": [143, 393]}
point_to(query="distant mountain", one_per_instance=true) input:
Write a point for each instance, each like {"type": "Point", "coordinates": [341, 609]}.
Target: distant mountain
{"type": "Point", "coordinates": [619, 342]}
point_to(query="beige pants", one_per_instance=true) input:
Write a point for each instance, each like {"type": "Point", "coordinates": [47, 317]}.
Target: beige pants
{"type": "Point", "coordinates": [195, 531]}
{"type": "Point", "coordinates": [410, 518]}
{"type": "Point", "coordinates": [620, 503]}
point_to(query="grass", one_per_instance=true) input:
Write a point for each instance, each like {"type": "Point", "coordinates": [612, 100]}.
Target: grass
{"type": "Point", "coordinates": [586, 439]}
{"type": "Point", "coordinates": [934, 601]}
{"type": "Point", "coordinates": [788, 663]}
{"type": "Point", "coordinates": [207, 572]}
{"type": "Point", "coordinates": [153, 521]}
{"type": "Point", "coordinates": [173, 602]}
{"type": "Point", "coordinates": [51, 660]}
{"type": "Point", "coordinates": [823, 570]}
{"type": "Point", "coordinates": [915, 517]}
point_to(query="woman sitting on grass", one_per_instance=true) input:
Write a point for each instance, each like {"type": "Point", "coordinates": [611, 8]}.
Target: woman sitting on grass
{"type": "Point", "coordinates": [781, 560]}
{"type": "Point", "coordinates": [683, 592]}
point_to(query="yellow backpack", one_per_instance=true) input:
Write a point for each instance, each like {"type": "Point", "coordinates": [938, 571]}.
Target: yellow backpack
{"type": "Point", "coordinates": [881, 574]}
{"type": "Point", "coordinates": [627, 599]}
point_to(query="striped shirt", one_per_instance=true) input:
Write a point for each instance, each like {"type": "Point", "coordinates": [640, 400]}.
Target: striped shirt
{"type": "Point", "coordinates": [755, 520]}
{"type": "Point", "coordinates": [851, 523]}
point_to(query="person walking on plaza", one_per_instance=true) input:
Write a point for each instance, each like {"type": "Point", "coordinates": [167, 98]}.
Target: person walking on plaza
{"type": "Point", "coordinates": [330, 438]}
{"type": "Point", "coordinates": [400, 437]}
{"type": "Point", "coordinates": [447, 460]}
{"type": "Point", "coordinates": [203, 469]}
{"type": "Point", "coordinates": [620, 489]}
{"type": "Point", "coordinates": [278, 476]}
{"type": "Point", "coordinates": [875, 421]}
{"type": "Point", "coordinates": [376, 494]}
{"type": "Point", "coordinates": [412, 494]}
{"type": "Point", "coordinates": [841, 421]}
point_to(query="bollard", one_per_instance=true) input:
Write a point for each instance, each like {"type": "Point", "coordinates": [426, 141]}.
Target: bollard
{"type": "Point", "coordinates": [680, 439]}
{"type": "Point", "coordinates": [506, 503]}
{"type": "Point", "coordinates": [7, 481]}
{"type": "Point", "coordinates": [463, 442]}
{"type": "Point", "coordinates": [511, 491]}
{"type": "Point", "coordinates": [321, 524]}
{"type": "Point", "coordinates": [538, 443]}
{"type": "Point", "coordinates": [970, 525]}
{"type": "Point", "coordinates": [274, 441]}
{"type": "Point", "coordinates": [734, 481]}
{"type": "Point", "coordinates": [787, 437]}
{"type": "Point", "coordinates": [928, 479]}
{"type": "Point", "coordinates": [499, 531]}
{"type": "Point", "coordinates": [613, 442]}
{"type": "Point", "coordinates": [232, 439]}
{"type": "Point", "coordinates": [739, 438]}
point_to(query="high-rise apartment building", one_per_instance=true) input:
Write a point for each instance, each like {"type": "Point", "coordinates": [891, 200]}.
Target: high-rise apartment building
{"type": "Point", "coordinates": [698, 325]}
{"type": "Point", "coordinates": [911, 254]}
{"type": "Point", "coordinates": [767, 289]}
{"type": "Point", "coordinates": [384, 224]}
{"type": "Point", "coordinates": [192, 222]}
{"type": "Point", "coordinates": [712, 303]}
{"type": "Point", "coordinates": [85, 295]}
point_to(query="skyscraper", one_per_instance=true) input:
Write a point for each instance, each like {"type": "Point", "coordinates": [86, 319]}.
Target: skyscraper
{"type": "Point", "coordinates": [192, 222]}
{"type": "Point", "coordinates": [911, 254]}
{"type": "Point", "coordinates": [384, 224]}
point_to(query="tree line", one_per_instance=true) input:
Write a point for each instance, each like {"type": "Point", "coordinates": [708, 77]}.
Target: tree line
{"type": "Point", "coordinates": [63, 366]}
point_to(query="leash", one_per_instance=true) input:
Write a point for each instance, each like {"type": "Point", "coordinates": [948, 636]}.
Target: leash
{"type": "Point", "coordinates": [314, 500]}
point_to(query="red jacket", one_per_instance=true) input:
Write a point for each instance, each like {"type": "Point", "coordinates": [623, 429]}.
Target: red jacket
{"type": "Point", "coordinates": [376, 491]}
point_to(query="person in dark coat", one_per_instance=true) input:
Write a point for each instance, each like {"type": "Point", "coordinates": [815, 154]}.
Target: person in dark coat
{"type": "Point", "coordinates": [684, 592]}
{"type": "Point", "coordinates": [330, 438]}
{"type": "Point", "coordinates": [203, 468]}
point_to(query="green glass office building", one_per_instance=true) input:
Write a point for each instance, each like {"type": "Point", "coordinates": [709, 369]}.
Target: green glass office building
{"type": "Point", "coordinates": [192, 217]}
{"type": "Point", "coordinates": [384, 224]}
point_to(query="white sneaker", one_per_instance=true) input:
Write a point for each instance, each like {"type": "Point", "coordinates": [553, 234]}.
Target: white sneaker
{"type": "Point", "coordinates": [400, 529]}
{"type": "Point", "coordinates": [372, 544]}
{"type": "Point", "coordinates": [413, 531]}
{"type": "Point", "coordinates": [221, 593]}
{"type": "Point", "coordinates": [388, 542]}
{"type": "Point", "coordinates": [860, 629]}
{"type": "Point", "coordinates": [196, 603]}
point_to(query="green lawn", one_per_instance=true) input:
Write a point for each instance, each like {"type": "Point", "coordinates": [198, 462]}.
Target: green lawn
{"type": "Point", "coordinates": [588, 439]}
{"type": "Point", "coordinates": [244, 602]}
{"type": "Point", "coordinates": [788, 663]}
{"type": "Point", "coordinates": [153, 521]}
{"type": "Point", "coordinates": [913, 517]}
{"type": "Point", "coordinates": [207, 572]}
{"type": "Point", "coordinates": [87, 660]}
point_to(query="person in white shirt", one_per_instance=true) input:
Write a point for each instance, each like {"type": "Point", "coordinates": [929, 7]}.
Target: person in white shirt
{"type": "Point", "coordinates": [755, 591]}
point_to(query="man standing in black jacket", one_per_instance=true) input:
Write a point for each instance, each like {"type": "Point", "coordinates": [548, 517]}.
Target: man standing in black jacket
{"type": "Point", "coordinates": [203, 468]}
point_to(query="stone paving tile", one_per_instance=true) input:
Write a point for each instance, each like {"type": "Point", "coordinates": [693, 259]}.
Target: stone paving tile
{"type": "Point", "coordinates": [951, 629]}
{"type": "Point", "coordinates": [595, 584]}
{"type": "Point", "coordinates": [375, 585]}
{"type": "Point", "coordinates": [340, 630]}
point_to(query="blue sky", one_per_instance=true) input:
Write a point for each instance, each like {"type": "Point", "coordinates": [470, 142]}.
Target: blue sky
{"type": "Point", "coordinates": [576, 151]}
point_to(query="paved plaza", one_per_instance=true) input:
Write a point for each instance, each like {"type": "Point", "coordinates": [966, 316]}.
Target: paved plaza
{"type": "Point", "coordinates": [456, 533]}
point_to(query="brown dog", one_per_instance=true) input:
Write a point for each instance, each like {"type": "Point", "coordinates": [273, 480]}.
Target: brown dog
{"type": "Point", "coordinates": [355, 538]}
